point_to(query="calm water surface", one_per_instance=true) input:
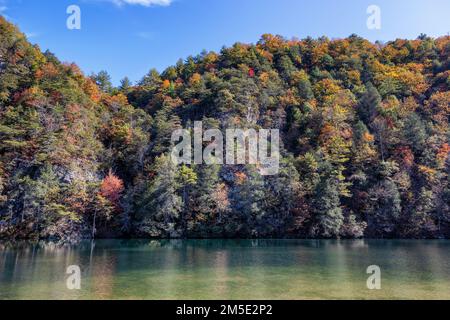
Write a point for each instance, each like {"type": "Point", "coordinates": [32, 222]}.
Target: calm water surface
{"type": "Point", "coordinates": [226, 269]}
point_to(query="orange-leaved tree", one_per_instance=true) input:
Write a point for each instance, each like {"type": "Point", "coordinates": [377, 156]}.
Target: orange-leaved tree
{"type": "Point", "coordinates": [111, 189]}
{"type": "Point", "coordinates": [108, 198]}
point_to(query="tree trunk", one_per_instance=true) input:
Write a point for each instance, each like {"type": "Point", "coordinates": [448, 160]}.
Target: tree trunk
{"type": "Point", "coordinates": [93, 225]}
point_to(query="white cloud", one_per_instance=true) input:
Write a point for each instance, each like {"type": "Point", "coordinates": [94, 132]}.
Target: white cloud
{"type": "Point", "coordinates": [146, 35]}
{"type": "Point", "coordinates": [145, 3]}
{"type": "Point", "coordinates": [30, 35]}
{"type": "Point", "coordinates": [3, 10]}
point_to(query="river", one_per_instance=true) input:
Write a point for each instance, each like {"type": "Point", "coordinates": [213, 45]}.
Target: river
{"type": "Point", "coordinates": [225, 269]}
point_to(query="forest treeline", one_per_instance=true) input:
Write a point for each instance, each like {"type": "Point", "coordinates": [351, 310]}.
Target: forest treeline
{"type": "Point", "coordinates": [364, 131]}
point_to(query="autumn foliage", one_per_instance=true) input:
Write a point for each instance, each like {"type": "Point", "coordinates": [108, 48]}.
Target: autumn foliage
{"type": "Point", "coordinates": [112, 188]}
{"type": "Point", "coordinates": [364, 131]}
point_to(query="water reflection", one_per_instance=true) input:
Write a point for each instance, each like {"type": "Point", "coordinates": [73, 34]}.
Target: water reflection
{"type": "Point", "coordinates": [225, 269]}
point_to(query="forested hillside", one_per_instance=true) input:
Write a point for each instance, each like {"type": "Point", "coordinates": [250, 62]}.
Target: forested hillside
{"type": "Point", "coordinates": [364, 129]}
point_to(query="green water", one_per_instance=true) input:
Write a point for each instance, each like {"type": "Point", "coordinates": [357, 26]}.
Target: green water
{"type": "Point", "coordinates": [227, 269]}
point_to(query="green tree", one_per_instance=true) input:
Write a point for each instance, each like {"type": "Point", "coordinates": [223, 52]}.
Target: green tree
{"type": "Point", "coordinates": [125, 85]}
{"type": "Point", "coordinates": [161, 205]}
{"type": "Point", "coordinates": [103, 81]}
{"type": "Point", "coordinates": [328, 215]}
{"type": "Point", "coordinates": [369, 104]}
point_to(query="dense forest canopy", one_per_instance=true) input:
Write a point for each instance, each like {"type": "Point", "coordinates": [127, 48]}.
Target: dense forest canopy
{"type": "Point", "coordinates": [364, 130]}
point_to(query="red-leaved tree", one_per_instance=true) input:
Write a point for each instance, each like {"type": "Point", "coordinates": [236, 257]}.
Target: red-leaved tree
{"type": "Point", "coordinates": [111, 189]}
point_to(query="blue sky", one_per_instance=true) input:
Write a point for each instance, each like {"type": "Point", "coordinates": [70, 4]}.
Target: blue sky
{"type": "Point", "coordinates": [128, 37]}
